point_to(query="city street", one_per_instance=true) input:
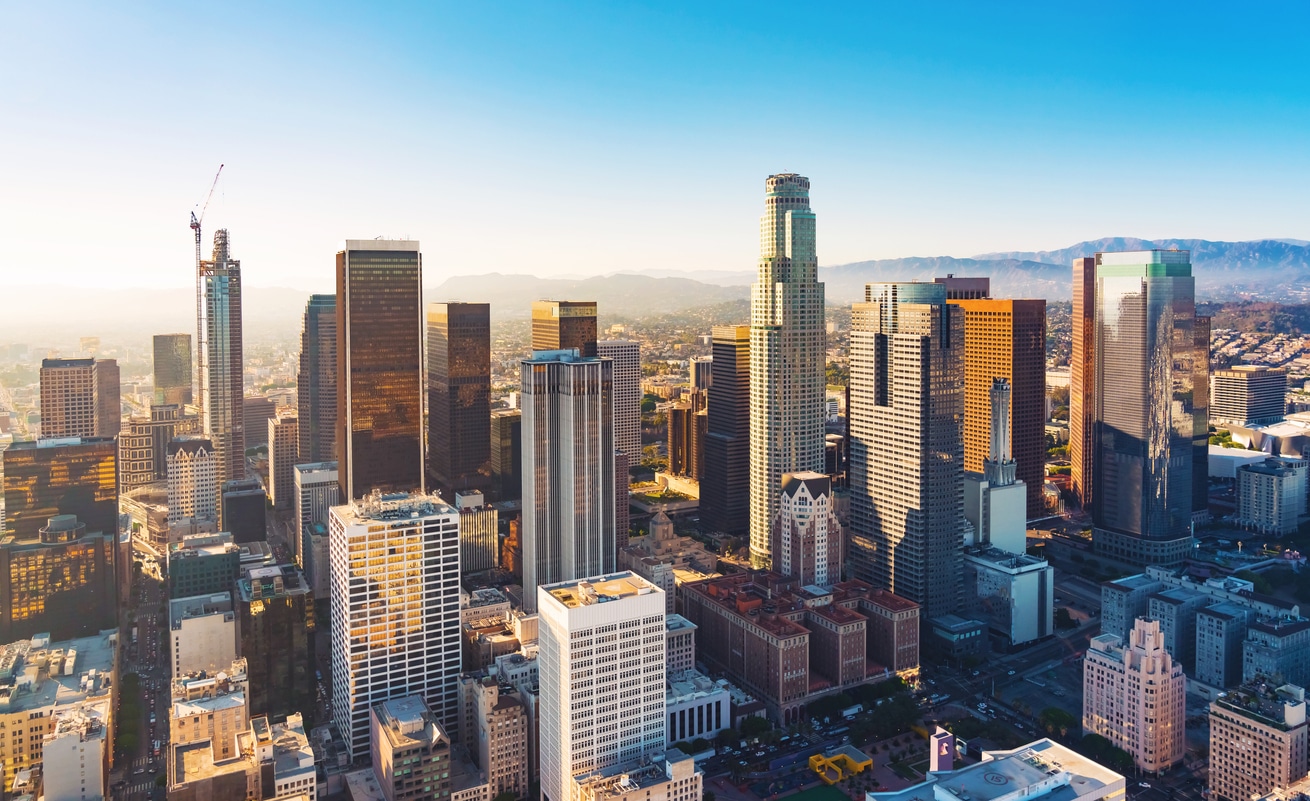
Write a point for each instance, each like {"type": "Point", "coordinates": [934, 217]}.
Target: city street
{"type": "Point", "coordinates": [135, 777]}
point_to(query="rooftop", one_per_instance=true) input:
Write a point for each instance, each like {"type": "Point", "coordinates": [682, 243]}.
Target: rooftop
{"type": "Point", "coordinates": [601, 589]}
{"type": "Point", "coordinates": [676, 622]}
{"type": "Point", "coordinates": [1282, 706]}
{"type": "Point", "coordinates": [394, 506]}
{"type": "Point", "coordinates": [198, 606]}
{"type": "Point", "coordinates": [85, 721]}
{"type": "Point", "coordinates": [1005, 559]}
{"type": "Point", "coordinates": [1129, 583]}
{"type": "Point", "coordinates": [1042, 769]}
{"type": "Point", "coordinates": [407, 722]}
{"type": "Point", "coordinates": [36, 674]}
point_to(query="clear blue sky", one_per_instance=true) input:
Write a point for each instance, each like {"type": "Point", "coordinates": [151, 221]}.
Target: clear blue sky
{"type": "Point", "coordinates": [583, 138]}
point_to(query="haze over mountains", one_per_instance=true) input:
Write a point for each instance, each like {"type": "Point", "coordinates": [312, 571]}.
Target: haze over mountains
{"type": "Point", "coordinates": [1268, 269]}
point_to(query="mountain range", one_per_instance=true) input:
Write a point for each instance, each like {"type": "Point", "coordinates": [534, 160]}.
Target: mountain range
{"type": "Point", "coordinates": [1276, 270]}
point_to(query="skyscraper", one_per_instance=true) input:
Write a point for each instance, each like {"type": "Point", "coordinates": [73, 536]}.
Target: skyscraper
{"type": "Point", "coordinates": [143, 444]}
{"type": "Point", "coordinates": [60, 582]}
{"type": "Point", "coordinates": [193, 488]}
{"type": "Point", "coordinates": [283, 442]}
{"type": "Point", "coordinates": [71, 476]}
{"type": "Point", "coordinates": [564, 325]}
{"type": "Point", "coordinates": [907, 458]}
{"type": "Point", "coordinates": [219, 351]}
{"type": "Point", "coordinates": [807, 539]}
{"type": "Point", "coordinates": [507, 454]}
{"type": "Point", "coordinates": [626, 356]}
{"type": "Point", "coordinates": [1150, 400]}
{"type": "Point", "coordinates": [459, 397]}
{"type": "Point", "coordinates": [316, 381]}
{"type": "Point", "coordinates": [1248, 394]}
{"type": "Point", "coordinates": [725, 487]}
{"type": "Point", "coordinates": [379, 367]}
{"type": "Point", "coordinates": [1082, 380]}
{"type": "Point", "coordinates": [1007, 339]}
{"type": "Point", "coordinates": [80, 398]}
{"type": "Point", "coordinates": [568, 469]}
{"type": "Point", "coordinates": [173, 369]}
{"type": "Point", "coordinates": [787, 354]}
{"type": "Point", "coordinates": [611, 628]}
{"type": "Point", "coordinates": [275, 616]}
{"type": "Point", "coordinates": [1134, 695]}
{"type": "Point", "coordinates": [394, 572]}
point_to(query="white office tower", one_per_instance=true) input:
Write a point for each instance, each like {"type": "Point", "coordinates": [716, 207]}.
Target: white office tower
{"type": "Point", "coordinates": [626, 356]}
{"type": "Point", "coordinates": [394, 562]}
{"type": "Point", "coordinates": [317, 490]}
{"type": "Point", "coordinates": [787, 354]}
{"type": "Point", "coordinates": [907, 449]}
{"type": "Point", "coordinates": [602, 677]}
{"type": "Point", "coordinates": [568, 469]}
{"type": "Point", "coordinates": [192, 480]}
{"type": "Point", "coordinates": [995, 502]}
{"type": "Point", "coordinates": [807, 539]}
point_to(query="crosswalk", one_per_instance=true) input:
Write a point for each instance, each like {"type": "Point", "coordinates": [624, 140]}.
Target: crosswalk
{"type": "Point", "coordinates": [140, 787]}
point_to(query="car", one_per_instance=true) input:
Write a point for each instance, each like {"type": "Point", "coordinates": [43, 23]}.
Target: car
{"type": "Point", "coordinates": [976, 673]}
{"type": "Point", "coordinates": [1147, 785]}
{"type": "Point", "coordinates": [759, 753]}
{"type": "Point", "coordinates": [1010, 672]}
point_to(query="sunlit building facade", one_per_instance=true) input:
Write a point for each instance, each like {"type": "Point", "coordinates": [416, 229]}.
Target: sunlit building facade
{"type": "Point", "coordinates": [316, 381]}
{"type": "Point", "coordinates": [219, 346]}
{"type": "Point", "coordinates": [172, 366]}
{"type": "Point", "coordinates": [459, 397]}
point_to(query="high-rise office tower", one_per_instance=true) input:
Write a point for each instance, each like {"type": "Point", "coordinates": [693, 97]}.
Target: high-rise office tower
{"type": "Point", "coordinates": [60, 582]}
{"type": "Point", "coordinates": [1007, 339]}
{"type": "Point", "coordinates": [283, 443]}
{"type": "Point", "coordinates": [564, 325]}
{"type": "Point", "coordinates": [71, 476]}
{"type": "Point", "coordinates": [688, 424]}
{"type": "Point", "coordinates": [479, 526]}
{"type": "Point", "coordinates": [316, 381]}
{"type": "Point", "coordinates": [459, 397]}
{"type": "Point", "coordinates": [626, 356]}
{"type": "Point", "coordinates": [725, 487]}
{"type": "Point", "coordinates": [568, 469]}
{"type": "Point", "coordinates": [807, 539]}
{"type": "Point", "coordinates": [275, 618]}
{"type": "Point", "coordinates": [143, 444]}
{"type": "Point", "coordinates": [1258, 740]}
{"type": "Point", "coordinates": [701, 369]}
{"type": "Point", "coordinates": [394, 572]}
{"type": "Point", "coordinates": [787, 354]}
{"type": "Point", "coordinates": [244, 503]}
{"type": "Point", "coordinates": [507, 454]}
{"type": "Point", "coordinates": [907, 458]}
{"type": "Point", "coordinates": [193, 488]}
{"type": "Point", "coordinates": [615, 713]}
{"type": "Point", "coordinates": [80, 398]}
{"type": "Point", "coordinates": [317, 490]}
{"type": "Point", "coordinates": [1134, 695]}
{"type": "Point", "coordinates": [379, 367]}
{"type": "Point", "coordinates": [1082, 380]}
{"type": "Point", "coordinates": [962, 288]}
{"type": "Point", "coordinates": [1150, 396]}
{"type": "Point", "coordinates": [173, 369]}
{"type": "Point", "coordinates": [995, 499]}
{"type": "Point", "coordinates": [219, 358]}
{"type": "Point", "coordinates": [1248, 395]}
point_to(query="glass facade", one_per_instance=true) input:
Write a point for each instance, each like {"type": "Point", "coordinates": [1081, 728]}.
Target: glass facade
{"type": "Point", "coordinates": [75, 476]}
{"type": "Point", "coordinates": [219, 346]}
{"type": "Point", "coordinates": [316, 381]}
{"type": "Point", "coordinates": [1151, 403]}
{"type": "Point", "coordinates": [276, 619]}
{"type": "Point", "coordinates": [725, 487]}
{"type": "Point", "coordinates": [379, 367]}
{"type": "Point", "coordinates": [507, 453]}
{"type": "Point", "coordinates": [61, 583]}
{"type": "Point", "coordinates": [173, 369]}
{"type": "Point", "coordinates": [459, 397]}
{"type": "Point", "coordinates": [564, 325]}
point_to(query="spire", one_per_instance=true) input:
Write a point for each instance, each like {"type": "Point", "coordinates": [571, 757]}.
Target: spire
{"type": "Point", "coordinates": [999, 467]}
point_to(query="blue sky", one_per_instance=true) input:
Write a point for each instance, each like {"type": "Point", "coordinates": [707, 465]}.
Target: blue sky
{"type": "Point", "coordinates": [584, 138]}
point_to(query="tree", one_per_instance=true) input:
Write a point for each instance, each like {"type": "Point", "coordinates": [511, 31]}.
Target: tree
{"type": "Point", "coordinates": [505, 796]}
{"type": "Point", "coordinates": [1063, 620]}
{"type": "Point", "coordinates": [1055, 719]}
{"type": "Point", "coordinates": [728, 735]}
{"type": "Point", "coordinates": [1103, 751]}
{"type": "Point", "coordinates": [754, 726]}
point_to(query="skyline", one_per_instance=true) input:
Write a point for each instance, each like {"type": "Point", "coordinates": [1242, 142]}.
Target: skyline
{"type": "Point", "coordinates": [925, 139]}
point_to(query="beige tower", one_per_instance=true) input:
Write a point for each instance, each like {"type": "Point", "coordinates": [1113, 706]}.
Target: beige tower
{"type": "Point", "coordinates": [1134, 696]}
{"type": "Point", "coordinates": [787, 351]}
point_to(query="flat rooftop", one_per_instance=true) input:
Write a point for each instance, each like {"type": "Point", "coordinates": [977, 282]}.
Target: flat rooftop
{"type": "Point", "coordinates": [1136, 582]}
{"type": "Point", "coordinates": [1042, 769]}
{"type": "Point", "coordinates": [391, 507]}
{"type": "Point", "coordinates": [676, 622]}
{"type": "Point", "coordinates": [601, 589]}
{"type": "Point", "coordinates": [36, 674]}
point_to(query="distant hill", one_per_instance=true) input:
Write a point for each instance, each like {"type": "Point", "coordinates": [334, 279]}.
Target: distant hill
{"type": "Point", "coordinates": [1272, 269]}
{"type": "Point", "coordinates": [621, 294]}
{"type": "Point", "coordinates": [1012, 278]}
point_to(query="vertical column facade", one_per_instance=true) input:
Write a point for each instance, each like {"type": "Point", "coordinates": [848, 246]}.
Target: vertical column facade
{"type": "Point", "coordinates": [459, 397]}
{"type": "Point", "coordinates": [316, 381]}
{"type": "Point", "coordinates": [219, 349]}
{"type": "Point", "coordinates": [725, 487]}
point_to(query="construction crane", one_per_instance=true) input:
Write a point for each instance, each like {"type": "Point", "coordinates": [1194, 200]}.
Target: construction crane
{"type": "Point", "coordinates": [196, 221]}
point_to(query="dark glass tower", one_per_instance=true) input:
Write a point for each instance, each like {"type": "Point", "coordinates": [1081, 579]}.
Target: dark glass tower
{"type": "Point", "coordinates": [62, 582]}
{"type": "Point", "coordinates": [564, 324]}
{"type": "Point", "coordinates": [316, 381]}
{"type": "Point", "coordinates": [1150, 406]}
{"type": "Point", "coordinates": [725, 486]}
{"type": "Point", "coordinates": [75, 476]}
{"type": "Point", "coordinates": [507, 454]}
{"type": "Point", "coordinates": [459, 397]}
{"type": "Point", "coordinates": [379, 367]}
{"type": "Point", "coordinates": [173, 369]}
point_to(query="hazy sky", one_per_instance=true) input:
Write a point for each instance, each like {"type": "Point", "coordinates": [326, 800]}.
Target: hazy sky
{"type": "Point", "coordinates": [583, 138]}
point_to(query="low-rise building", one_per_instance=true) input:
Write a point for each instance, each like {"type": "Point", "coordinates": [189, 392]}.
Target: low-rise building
{"type": "Point", "coordinates": [1124, 600]}
{"type": "Point", "coordinates": [39, 680]}
{"type": "Point", "coordinates": [679, 643]}
{"type": "Point", "coordinates": [77, 752]}
{"type": "Point", "coordinates": [203, 564]}
{"type": "Point", "coordinates": [498, 724]}
{"type": "Point", "coordinates": [698, 707]}
{"type": "Point", "coordinates": [483, 604]}
{"type": "Point", "coordinates": [1277, 648]}
{"type": "Point", "coordinates": [1134, 695]}
{"type": "Point", "coordinates": [273, 762]}
{"type": "Point", "coordinates": [1220, 634]}
{"type": "Point", "coordinates": [668, 560]}
{"type": "Point", "coordinates": [210, 708]}
{"type": "Point", "coordinates": [673, 778]}
{"type": "Point", "coordinates": [1176, 609]}
{"type": "Point", "coordinates": [1012, 591]}
{"type": "Point", "coordinates": [1257, 740]}
{"type": "Point", "coordinates": [1039, 770]}
{"type": "Point", "coordinates": [411, 752]}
